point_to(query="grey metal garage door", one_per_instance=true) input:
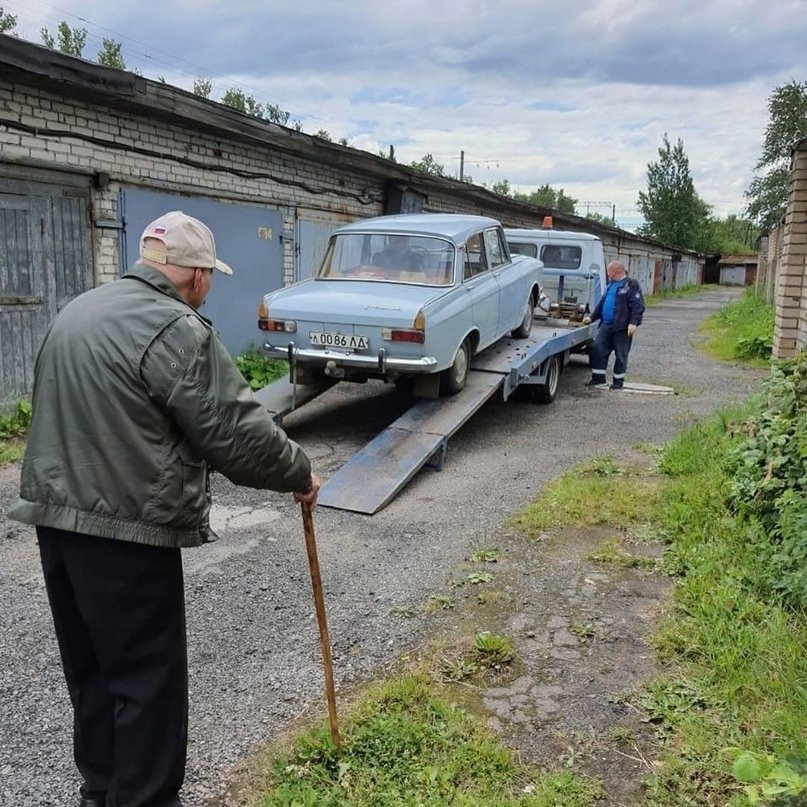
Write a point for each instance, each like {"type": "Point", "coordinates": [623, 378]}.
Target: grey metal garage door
{"type": "Point", "coordinates": [45, 261]}
{"type": "Point", "coordinates": [314, 228]}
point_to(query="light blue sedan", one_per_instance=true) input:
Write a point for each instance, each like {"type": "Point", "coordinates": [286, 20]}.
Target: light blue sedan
{"type": "Point", "coordinates": [404, 296]}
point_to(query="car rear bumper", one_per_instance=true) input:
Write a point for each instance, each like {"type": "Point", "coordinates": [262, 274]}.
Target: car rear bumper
{"type": "Point", "coordinates": [379, 362]}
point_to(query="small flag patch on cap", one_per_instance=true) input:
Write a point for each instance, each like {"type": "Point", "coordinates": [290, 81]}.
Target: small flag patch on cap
{"type": "Point", "coordinates": [187, 242]}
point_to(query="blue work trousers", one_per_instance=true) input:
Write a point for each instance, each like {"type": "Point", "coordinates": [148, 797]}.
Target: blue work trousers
{"type": "Point", "coordinates": [607, 341]}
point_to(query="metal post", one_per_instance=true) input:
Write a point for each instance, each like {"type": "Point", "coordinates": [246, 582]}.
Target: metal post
{"type": "Point", "coordinates": [462, 165]}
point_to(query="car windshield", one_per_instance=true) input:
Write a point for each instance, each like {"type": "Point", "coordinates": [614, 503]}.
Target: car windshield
{"type": "Point", "coordinates": [419, 259]}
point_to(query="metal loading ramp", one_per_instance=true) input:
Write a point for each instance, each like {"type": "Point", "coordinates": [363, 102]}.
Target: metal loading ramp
{"type": "Point", "coordinates": [373, 476]}
{"type": "Point", "coordinates": [281, 396]}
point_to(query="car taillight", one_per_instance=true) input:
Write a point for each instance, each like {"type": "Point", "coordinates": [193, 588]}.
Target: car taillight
{"type": "Point", "coordinates": [267, 324]}
{"type": "Point", "coordinates": [286, 326]}
{"type": "Point", "coordinates": [417, 333]}
{"type": "Point", "coordinates": [406, 336]}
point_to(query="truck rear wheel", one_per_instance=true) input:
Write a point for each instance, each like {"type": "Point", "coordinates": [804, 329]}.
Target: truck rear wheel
{"type": "Point", "coordinates": [547, 392]}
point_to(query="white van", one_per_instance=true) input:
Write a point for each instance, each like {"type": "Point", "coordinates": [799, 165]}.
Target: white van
{"type": "Point", "coordinates": [574, 268]}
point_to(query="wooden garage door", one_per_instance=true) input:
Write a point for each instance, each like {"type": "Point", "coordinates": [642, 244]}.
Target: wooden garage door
{"type": "Point", "coordinates": [45, 261]}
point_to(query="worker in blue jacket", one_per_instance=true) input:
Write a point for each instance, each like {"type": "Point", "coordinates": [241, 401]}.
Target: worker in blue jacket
{"type": "Point", "coordinates": [619, 312]}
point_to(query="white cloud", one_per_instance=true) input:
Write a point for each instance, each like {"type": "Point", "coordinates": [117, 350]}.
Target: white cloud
{"type": "Point", "coordinates": [576, 94]}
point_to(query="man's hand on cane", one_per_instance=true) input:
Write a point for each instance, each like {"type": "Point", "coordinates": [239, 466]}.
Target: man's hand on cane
{"type": "Point", "coordinates": [309, 495]}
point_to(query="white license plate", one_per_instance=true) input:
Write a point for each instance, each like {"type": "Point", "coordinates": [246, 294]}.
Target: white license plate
{"type": "Point", "coordinates": [350, 341]}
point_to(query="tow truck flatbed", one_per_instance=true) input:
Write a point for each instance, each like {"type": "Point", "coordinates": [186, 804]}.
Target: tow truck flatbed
{"type": "Point", "coordinates": [373, 476]}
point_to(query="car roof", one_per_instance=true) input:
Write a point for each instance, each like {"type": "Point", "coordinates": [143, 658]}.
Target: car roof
{"type": "Point", "coordinates": [546, 235]}
{"type": "Point", "coordinates": [456, 227]}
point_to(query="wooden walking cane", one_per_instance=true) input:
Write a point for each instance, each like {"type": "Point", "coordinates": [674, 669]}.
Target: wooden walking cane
{"type": "Point", "coordinates": [319, 603]}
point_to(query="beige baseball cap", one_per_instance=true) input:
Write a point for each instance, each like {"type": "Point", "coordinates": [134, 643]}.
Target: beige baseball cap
{"type": "Point", "coordinates": [187, 241]}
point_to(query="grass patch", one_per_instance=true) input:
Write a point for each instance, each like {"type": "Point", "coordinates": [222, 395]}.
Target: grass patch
{"type": "Point", "coordinates": [612, 553]}
{"type": "Point", "coordinates": [485, 556]}
{"type": "Point", "coordinates": [730, 704]}
{"type": "Point", "coordinates": [735, 652]}
{"type": "Point", "coordinates": [595, 493]}
{"type": "Point", "coordinates": [742, 330]}
{"type": "Point", "coordinates": [405, 745]}
{"type": "Point", "coordinates": [439, 603]}
{"type": "Point", "coordinates": [11, 449]}
{"type": "Point", "coordinates": [492, 650]}
{"type": "Point", "coordinates": [489, 597]}
{"type": "Point", "coordinates": [679, 294]}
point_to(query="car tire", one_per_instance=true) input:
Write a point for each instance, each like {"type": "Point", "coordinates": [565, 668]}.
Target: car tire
{"type": "Point", "coordinates": [454, 378]}
{"type": "Point", "coordinates": [547, 392]}
{"type": "Point", "coordinates": [523, 330]}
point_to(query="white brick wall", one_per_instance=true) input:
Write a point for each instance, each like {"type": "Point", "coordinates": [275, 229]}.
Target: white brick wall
{"type": "Point", "coordinates": [327, 188]}
{"type": "Point", "coordinates": [163, 169]}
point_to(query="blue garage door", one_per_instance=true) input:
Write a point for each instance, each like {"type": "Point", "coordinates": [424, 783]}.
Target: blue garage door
{"type": "Point", "coordinates": [247, 238]}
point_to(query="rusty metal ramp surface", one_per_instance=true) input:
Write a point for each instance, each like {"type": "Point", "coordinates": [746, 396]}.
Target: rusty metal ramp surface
{"type": "Point", "coordinates": [373, 476]}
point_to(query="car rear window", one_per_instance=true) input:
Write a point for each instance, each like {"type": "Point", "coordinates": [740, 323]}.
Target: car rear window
{"type": "Point", "coordinates": [422, 260]}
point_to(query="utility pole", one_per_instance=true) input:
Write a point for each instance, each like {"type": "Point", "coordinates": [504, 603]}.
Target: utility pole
{"type": "Point", "coordinates": [613, 215]}
{"type": "Point", "coordinates": [462, 165]}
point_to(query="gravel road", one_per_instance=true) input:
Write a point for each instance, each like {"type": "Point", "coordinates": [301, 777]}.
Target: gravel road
{"type": "Point", "coordinates": [254, 658]}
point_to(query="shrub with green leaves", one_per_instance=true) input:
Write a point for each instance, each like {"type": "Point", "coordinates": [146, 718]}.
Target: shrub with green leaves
{"type": "Point", "coordinates": [768, 780]}
{"type": "Point", "coordinates": [769, 488]}
{"type": "Point", "coordinates": [258, 370]}
{"type": "Point", "coordinates": [17, 422]}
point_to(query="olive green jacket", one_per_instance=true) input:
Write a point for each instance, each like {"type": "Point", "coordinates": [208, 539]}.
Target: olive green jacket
{"type": "Point", "coordinates": [135, 397]}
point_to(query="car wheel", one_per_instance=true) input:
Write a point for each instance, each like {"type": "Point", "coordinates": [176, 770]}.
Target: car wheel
{"type": "Point", "coordinates": [453, 379]}
{"type": "Point", "coordinates": [545, 393]}
{"type": "Point", "coordinates": [523, 330]}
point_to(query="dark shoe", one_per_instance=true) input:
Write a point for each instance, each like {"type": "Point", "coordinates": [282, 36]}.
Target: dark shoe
{"type": "Point", "coordinates": [93, 802]}
{"type": "Point", "coordinates": [595, 381]}
{"type": "Point", "coordinates": [617, 385]}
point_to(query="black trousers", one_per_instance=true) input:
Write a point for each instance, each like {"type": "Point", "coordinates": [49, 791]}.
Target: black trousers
{"type": "Point", "coordinates": [119, 613]}
{"type": "Point", "coordinates": [608, 341]}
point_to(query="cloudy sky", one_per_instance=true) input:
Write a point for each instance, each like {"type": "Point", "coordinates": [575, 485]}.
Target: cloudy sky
{"type": "Point", "coordinates": [577, 94]}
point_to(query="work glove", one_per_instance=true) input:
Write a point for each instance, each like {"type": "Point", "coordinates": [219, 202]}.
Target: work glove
{"type": "Point", "coordinates": [632, 329]}
{"type": "Point", "coordinates": [586, 320]}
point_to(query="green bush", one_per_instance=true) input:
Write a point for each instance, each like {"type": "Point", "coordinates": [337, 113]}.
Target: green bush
{"type": "Point", "coordinates": [259, 370]}
{"type": "Point", "coordinates": [755, 347]}
{"type": "Point", "coordinates": [17, 422]}
{"type": "Point", "coordinates": [769, 487]}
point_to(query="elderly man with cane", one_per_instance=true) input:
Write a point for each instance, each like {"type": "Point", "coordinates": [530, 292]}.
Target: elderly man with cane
{"type": "Point", "coordinates": [135, 399]}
